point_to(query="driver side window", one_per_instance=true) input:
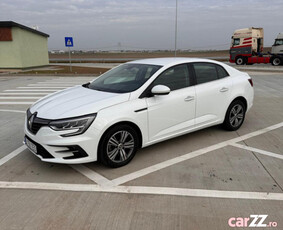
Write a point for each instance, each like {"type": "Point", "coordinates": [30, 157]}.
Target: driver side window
{"type": "Point", "coordinates": [176, 77]}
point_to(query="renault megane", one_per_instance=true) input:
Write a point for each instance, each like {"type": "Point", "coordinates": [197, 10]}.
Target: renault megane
{"type": "Point", "coordinates": [134, 105]}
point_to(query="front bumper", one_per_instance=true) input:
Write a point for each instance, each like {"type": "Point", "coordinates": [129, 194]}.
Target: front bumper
{"type": "Point", "coordinates": [51, 147]}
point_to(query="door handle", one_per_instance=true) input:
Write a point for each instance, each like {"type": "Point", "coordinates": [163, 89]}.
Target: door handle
{"type": "Point", "coordinates": [224, 89]}
{"type": "Point", "coordinates": [189, 98]}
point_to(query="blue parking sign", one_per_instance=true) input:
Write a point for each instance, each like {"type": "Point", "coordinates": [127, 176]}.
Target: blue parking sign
{"type": "Point", "coordinates": [69, 42]}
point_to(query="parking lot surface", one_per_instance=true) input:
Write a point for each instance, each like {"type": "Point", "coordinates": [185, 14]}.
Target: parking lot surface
{"type": "Point", "coordinates": [196, 181]}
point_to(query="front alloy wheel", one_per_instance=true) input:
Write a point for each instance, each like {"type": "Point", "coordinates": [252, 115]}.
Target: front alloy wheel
{"type": "Point", "coordinates": [118, 146]}
{"type": "Point", "coordinates": [235, 115]}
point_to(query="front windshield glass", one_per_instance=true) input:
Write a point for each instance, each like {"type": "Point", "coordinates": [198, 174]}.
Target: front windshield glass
{"type": "Point", "coordinates": [278, 42]}
{"type": "Point", "coordinates": [124, 78]}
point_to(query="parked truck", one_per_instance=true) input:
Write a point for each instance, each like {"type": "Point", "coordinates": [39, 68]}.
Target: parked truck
{"type": "Point", "coordinates": [247, 48]}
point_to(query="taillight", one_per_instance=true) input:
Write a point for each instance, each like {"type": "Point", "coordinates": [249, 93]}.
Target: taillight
{"type": "Point", "coordinates": [251, 82]}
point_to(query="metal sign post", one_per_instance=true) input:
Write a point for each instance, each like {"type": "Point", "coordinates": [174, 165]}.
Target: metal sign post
{"type": "Point", "coordinates": [70, 60]}
{"type": "Point", "coordinates": [69, 43]}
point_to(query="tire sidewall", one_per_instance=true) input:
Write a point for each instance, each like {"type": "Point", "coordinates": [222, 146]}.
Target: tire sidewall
{"type": "Point", "coordinates": [240, 58]}
{"type": "Point", "coordinates": [278, 63]}
{"type": "Point", "coordinates": [102, 150]}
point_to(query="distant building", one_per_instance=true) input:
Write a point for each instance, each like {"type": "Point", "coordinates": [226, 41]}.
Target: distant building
{"type": "Point", "coordinates": [22, 46]}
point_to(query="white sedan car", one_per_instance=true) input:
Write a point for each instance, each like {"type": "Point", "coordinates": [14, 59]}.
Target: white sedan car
{"type": "Point", "coordinates": [134, 105]}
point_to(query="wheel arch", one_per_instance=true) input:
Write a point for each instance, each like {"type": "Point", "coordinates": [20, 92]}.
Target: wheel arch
{"type": "Point", "coordinates": [129, 123]}
{"type": "Point", "coordinates": [241, 98]}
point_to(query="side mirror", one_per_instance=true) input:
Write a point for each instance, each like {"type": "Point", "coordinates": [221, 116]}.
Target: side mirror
{"type": "Point", "coordinates": [160, 90]}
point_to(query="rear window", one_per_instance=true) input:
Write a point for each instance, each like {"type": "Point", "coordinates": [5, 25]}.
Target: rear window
{"type": "Point", "coordinates": [221, 72]}
{"type": "Point", "coordinates": [205, 72]}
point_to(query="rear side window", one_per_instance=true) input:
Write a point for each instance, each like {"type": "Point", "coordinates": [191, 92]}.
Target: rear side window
{"type": "Point", "coordinates": [221, 72]}
{"type": "Point", "coordinates": [205, 72]}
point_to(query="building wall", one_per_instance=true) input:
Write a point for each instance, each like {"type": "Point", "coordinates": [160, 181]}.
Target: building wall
{"type": "Point", "coordinates": [10, 53]}
{"type": "Point", "coordinates": [26, 50]}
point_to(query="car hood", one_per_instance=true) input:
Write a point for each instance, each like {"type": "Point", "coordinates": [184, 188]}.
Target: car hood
{"type": "Point", "coordinates": [75, 101]}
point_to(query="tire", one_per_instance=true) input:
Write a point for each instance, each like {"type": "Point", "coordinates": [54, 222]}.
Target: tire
{"type": "Point", "coordinates": [240, 61]}
{"type": "Point", "coordinates": [276, 61]}
{"type": "Point", "coordinates": [235, 115]}
{"type": "Point", "coordinates": [118, 146]}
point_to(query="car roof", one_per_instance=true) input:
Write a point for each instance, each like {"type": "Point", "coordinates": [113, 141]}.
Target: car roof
{"type": "Point", "coordinates": [170, 61]}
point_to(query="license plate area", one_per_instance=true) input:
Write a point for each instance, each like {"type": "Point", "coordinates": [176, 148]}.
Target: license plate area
{"type": "Point", "coordinates": [32, 147]}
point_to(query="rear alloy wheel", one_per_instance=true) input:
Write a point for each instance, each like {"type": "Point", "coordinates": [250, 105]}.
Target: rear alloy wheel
{"type": "Point", "coordinates": [235, 115]}
{"type": "Point", "coordinates": [118, 146]}
{"type": "Point", "coordinates": [276, 61]}
{"type": "Point", "coordinates": [240, 61]}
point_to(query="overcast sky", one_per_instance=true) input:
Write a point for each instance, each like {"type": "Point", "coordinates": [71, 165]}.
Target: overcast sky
{"type": "Point", "coordinates": [145, 24]}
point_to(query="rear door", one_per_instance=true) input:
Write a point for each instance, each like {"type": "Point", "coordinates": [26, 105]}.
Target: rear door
{"type": "Point", "coordinates": [213, 88]}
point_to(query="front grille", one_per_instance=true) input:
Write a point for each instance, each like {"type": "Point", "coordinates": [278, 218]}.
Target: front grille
{"type": "Point", "coordinates": [35, 123]}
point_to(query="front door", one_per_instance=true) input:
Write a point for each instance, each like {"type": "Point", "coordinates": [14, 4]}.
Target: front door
{"type": "Point", "coordinates": [172, 114]}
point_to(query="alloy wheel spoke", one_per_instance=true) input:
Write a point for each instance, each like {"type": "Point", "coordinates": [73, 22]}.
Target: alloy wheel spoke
{"type": "Point", "coordinates": [240, 116]}
{"type": "Point", "coordinates": [124, 136]}
{"type": "Point", "coordinates": [239, 109]}
{"type": "Point", "coordinates": [113, 141]}
{"type": "Point", "coordinates": [113, 153]}
{"type": "Point", "coordinates": [129, 145]}
{"type": "Point", "coordinates": [232, 119]}
{"type": "Point", "coordinates": [236, 121]}
{"type": "Point", "coordinates": [233, 110]}
{"type": "Point", "coordinates": [123, 154]}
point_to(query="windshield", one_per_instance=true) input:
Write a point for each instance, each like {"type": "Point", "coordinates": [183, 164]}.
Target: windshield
{"type": "Point", "coordinates": [124, 78]}
{"type": "Point", "coordinates": [278, 42]}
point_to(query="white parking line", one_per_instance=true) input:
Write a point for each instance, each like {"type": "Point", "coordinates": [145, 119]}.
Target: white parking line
{"type": "Point", "coordinates": [42, 87]}
{"type": "Point", "coordinates": [143, 190]}
{"type": "Point", "coordinates": [165, 164]}
{"type": "Point", "coordinates": [12, 154]}
{"type": "Point", "coordinates": [12, 111]}
{"type": "Point", "coordinates": [59, 82]}
{"type": "Point", "coordinates": [75, 78]}
{"type": "Point", "coordinates": [90, 174]}
{"type": "Point", "coordinates": [31, 90]}
{"type": "Point", "coordinates": [16, 103]}
{"type": "Point", "coordinates": [263, 152]}
{"type": "Point", "coordinates": [20, 98]}
{"type": "Point", "coordinates": [51, 85]}
{"type": "Point", "coordinates": [14, 94]}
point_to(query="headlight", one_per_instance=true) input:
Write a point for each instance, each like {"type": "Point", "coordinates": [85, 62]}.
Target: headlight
{"type": "Point", "coordinates": [79, 124]}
